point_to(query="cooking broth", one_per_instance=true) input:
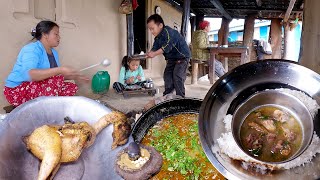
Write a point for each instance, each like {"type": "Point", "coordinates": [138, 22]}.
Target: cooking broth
{"type": "Point", "coordinates": [271, 134]}
{"type": "Point", "coordinates": [176, 138]}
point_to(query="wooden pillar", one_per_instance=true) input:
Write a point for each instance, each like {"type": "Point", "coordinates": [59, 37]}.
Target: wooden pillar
{"type": "Point", "coordinates": [310, 35]}
{"type": "Point", "coordinates": [223, 32]}
{"type": "Point", "coordinates": [212, 74]}
{"type": "Point", "coordinates": [275, 38]}
{"type": "Point", "coordinates": [287, 41]}
{"type": "Point", "coordinates": [185, 17]}
{"type": "Point", "coordinates": [194, 73]}
{"type": "Point", "coordinates": [199, 18]}
{"type": "Point", "coordinates": [130, 35]}
{"type": "Point", "coordinates": [248, 35]}
{"type": "Point", "coordinates": [193, 25]}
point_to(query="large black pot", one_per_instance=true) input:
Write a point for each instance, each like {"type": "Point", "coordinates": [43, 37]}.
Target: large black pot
{"type": "Point", "coordinates": [161, 111]}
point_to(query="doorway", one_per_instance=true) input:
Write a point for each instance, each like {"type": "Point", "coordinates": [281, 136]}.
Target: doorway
{"type": "Point", "coordinates": [139, 30]}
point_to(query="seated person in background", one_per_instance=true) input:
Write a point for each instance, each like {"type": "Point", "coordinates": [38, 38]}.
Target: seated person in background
{"type": "Point", "coordinates": [200, 44]}
{"type": "Point", "coordinates": [131, 73]}
{"type": "Point", "coordinates": [37, 71]}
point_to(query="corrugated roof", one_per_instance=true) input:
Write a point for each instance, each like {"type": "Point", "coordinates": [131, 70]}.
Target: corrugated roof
{"type": "Point", "coordinates": [241, 8]}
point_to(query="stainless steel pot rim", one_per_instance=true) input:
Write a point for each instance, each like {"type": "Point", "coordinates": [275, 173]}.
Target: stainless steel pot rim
{"type": "Point", "coordinates": [270, 74]}
{"type": "Point", "coordinates": [301, 149]}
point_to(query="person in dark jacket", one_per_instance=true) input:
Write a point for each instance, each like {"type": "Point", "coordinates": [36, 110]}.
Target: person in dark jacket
{"type": "Point", "coordinates": [173, 46]}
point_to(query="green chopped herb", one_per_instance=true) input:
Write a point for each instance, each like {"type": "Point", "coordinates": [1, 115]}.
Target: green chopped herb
{"type": "Point", "coordinates": [176, 150]}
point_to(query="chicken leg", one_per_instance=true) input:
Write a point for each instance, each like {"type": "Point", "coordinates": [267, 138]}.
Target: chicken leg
{"type": "Point", "coordinates": [45, 143]}
{"type": "Point", "coordinates": [54, 144]}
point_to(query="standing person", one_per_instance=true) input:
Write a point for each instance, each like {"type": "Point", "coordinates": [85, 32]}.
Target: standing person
{"type": "Point", "coordinates": [173, 46]}
{"type": "Point", "coordinates": [200, 44]}
{"type": "Point", "coordinates": [37, 71]}
{"type": "Point", "coordinates": [131, 73]}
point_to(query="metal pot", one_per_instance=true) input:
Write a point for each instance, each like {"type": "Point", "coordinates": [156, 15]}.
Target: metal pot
{"type": "Point", "coordinates": [161, 111]}
{"type": "Point", "coordinates": [236, 87]}
{"type": "Point", "coordinates": [282, 100]}
{"type": "Point", "coordinates": [148, 85]}
{"type": "Point", "coordinates": [17, 163]}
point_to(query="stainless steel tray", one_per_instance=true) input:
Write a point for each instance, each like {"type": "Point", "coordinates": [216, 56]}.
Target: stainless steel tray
{"type": "Point", "coordinates": [237, 85]}
{"type": "Point", "coordinates": [96, 162]}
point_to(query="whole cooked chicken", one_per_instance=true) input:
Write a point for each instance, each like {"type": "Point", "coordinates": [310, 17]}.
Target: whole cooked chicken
{"type": "Point", "coordinates": [56, 144]}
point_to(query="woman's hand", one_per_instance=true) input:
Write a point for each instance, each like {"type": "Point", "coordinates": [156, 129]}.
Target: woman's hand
{"type": "Point", "coordinates": [69, 73]}
{"type": "Point", "coordinates": [72, 74]}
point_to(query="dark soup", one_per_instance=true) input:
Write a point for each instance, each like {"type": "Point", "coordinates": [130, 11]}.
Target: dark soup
{"type": "Point", "coordinates": [176, 138]}
{"type": "Point", "coordinates": [271, 134]}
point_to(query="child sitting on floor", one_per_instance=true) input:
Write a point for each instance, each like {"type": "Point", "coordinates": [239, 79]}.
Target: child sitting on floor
{"type": "Point", "coordinates": [131, 73]}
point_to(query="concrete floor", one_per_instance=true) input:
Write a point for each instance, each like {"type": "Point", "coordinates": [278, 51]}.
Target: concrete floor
{"type": "Point", "coordinates": [137, 103]}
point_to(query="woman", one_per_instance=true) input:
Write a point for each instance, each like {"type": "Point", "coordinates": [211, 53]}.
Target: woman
{"type": "Point", "coordinates": [200, 44]}
{"type": "Point", "coordinates": [37, 71]}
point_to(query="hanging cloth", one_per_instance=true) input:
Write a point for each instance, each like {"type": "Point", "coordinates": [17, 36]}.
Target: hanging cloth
{"type": "Point", "coordinates": [125, 7]}
{"type": "Point", "coordinates": [135, 4]}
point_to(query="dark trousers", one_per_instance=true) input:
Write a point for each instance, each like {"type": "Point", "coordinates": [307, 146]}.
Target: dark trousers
{"type": "Point", "coordinates": [174, 77]}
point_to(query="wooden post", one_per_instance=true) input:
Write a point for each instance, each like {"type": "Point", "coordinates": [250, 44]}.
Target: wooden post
{"type": "Point", "coordinates": [275, 38]}
{"type": "Point", "coordinates": [194, 73]}
{"type": "Point", "coordinates": [289, 43]}
{"type": "Point", "coordinates": [223, 32]}
{"type": "Point", "coordinates": [212, 74]}
{"type": "Point", "coordinates": [199, 18]}
{"type": "Point", "coordinates": [193, 25]}
{"type": "Point", "coordinates": [286, 40]}
{"type": "Point", "coordinates": [130, 35]}
{"type": "Point", "coordinates": [310, 35]}
{"type": "Point", "coordinates": [286, 27]}
{"type": "Point", "coordinates": [185, 17]}
{"type": "Point", "coordinates": [248, 35]}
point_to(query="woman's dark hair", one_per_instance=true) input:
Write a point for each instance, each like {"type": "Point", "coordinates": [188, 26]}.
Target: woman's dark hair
{"type": "Point", "coordinates": [156, 18]}
{"type": "Point", "coordinates": [43, 27]}
{"type": "Point", "coordinates": [126, 60]}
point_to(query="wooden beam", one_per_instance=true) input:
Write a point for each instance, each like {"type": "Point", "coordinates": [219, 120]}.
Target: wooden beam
{"type": "Point", "coordinates": [248, 35]}
{"type": "Point", "coordinates": [220, 8]}
{"type": "Point", "coordinates": [185, 17]}
{"type": "Point", "coordinates": [276, 38]}
{"type": "Point", "coordinates": [289, 10]}
{"type": "Point", "coordinates": [258, 3]}
{"type": "Point", "coordinates": [130, 35]}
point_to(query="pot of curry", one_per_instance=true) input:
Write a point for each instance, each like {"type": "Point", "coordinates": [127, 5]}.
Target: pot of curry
{"type": "Point", "coordinates": [172, 129]}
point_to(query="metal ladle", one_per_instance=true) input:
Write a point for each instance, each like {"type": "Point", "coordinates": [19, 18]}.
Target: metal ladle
{"type": "Point", "coordinates": [105, 62]}
{"type": "Point", "coordinates": [133, 151]}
